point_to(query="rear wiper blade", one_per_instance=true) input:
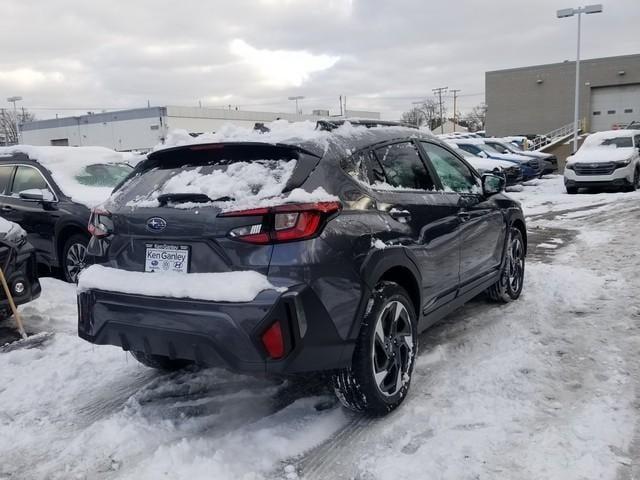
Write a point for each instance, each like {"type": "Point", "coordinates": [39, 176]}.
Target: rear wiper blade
{"type": "Point", "coordinates": [189, 197]}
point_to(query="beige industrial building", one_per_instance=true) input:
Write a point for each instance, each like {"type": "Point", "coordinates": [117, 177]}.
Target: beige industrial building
{"type": "Point", "coordinates": [538, 99]}
{"type": "Point", "coordinates": [142, 128]}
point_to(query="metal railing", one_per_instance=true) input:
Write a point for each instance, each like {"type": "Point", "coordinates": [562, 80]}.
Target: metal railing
{"type": "Point", "coordinates": [554, 136]}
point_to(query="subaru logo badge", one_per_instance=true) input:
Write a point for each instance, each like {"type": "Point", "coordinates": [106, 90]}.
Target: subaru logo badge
{"type": "Point", "coordinates": [156, 224]}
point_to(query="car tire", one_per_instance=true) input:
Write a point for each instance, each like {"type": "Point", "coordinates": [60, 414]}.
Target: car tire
{"type": "Point", "coordinates": [73, 257]}
{"type": "Point", "coordinates": [509, 286]}
{"type": "Point", "coordinates": [380, 374]}
{"type": "Point", "coordinates": [160, 362]}
{"type": "Point", "coordinates": [572, 190]}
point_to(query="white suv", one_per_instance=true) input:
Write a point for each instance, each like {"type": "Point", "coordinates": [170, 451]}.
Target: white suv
{"type": "Point", "coordinates": [605, 159]}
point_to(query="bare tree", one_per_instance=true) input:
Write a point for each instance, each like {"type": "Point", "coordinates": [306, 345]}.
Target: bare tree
{"type": "Point", "coordinates": [476, 118]}
{"type": "Point", "coordinates": [8, 132]}
{"type": "Point", "coordinates": [426, 113]}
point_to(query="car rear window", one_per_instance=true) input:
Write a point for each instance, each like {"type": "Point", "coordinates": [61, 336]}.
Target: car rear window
{"type": "Point", "coordinates": [222, 174]}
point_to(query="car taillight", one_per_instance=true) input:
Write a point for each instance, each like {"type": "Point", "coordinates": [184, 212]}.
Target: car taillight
{"type": "Point", "coordinates": [273, 341]}
{"type": "Point", "coordinates": [100, 223]}
{"type": "Point", "coordinates": [284, 223]}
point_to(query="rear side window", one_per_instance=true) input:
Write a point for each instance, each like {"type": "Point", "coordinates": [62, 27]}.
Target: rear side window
{"type": "Point", "coordinates": [403, 167]}
{"type": "Point", "coordinates": [363, 167]}
{"type": "Point", "coordinates": [28, 178]}
{"type": "Point", "coordinates": [454, 174]}
{"type": "Point", "coordinates": [5, 178]}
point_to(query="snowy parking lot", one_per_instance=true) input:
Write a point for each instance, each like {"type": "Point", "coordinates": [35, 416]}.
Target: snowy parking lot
{"type": "Point", "coordinates": [547, 387]}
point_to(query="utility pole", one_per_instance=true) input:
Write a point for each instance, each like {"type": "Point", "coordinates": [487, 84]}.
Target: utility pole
{"type": "Point", "coordinates": [439, 91]}
{"type": "Point", "coordinates": [455, 115]}
{"type": "Point", "coordinates": [340, 99]}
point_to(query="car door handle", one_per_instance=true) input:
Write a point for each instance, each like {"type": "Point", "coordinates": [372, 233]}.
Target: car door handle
{"type": "Point", "coordinates": [402, 216]}
{"type": "Point", "coordinates": [7, 208]}
{"type": "Point", "coordinates": [464, 216]}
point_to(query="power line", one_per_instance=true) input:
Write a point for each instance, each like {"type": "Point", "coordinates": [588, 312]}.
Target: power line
{"type": "Point", "coordinates": [439, 91]}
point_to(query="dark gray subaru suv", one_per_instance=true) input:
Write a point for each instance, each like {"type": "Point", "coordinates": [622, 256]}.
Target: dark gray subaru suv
{"type": "Point", "coordinates": [367, 233]}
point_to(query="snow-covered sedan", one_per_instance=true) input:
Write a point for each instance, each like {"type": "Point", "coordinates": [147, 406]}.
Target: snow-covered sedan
{"type": "Point", "coordinates": [531, 168]}
{"type": "Point", "coordinates": [49, 192]}
{"type": "Point", "coordinates": [608, 159]}
{"type": "Point", "coordinates": [510, 171]}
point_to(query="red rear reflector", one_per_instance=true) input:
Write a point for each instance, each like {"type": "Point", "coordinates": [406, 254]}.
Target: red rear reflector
{"type": "Point", "coordinates": [273, 341]}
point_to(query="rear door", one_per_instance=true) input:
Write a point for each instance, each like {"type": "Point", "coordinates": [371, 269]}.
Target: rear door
{"type": "Point", "coordinates": [169, 216]}
{"type": "Point", "coordinates": [409, 193]}
{"type": "Point", "coordinates": [483, 225]}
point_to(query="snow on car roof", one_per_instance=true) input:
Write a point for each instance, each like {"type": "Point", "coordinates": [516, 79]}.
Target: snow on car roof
{"type": "Point", "coordinates": [473, 141]}
{"type": "Point", "coordinates": [65, 163]}
{"type": "Point", "coordinates": [305, 134]}
{"type": "Point", "coordinates": [599, 136]}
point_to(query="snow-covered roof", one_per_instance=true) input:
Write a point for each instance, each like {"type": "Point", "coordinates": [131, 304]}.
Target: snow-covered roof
{"type": "Point", "coordinates": [598, 137]}
{"type": "Point", "coordinates": [65, 163]}
{"type": "Point", "coordinates": [11, 230]}
{"type": "Point", "coordinates": [303, 134]}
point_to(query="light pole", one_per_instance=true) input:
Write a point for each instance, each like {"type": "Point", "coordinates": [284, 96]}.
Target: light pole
{"type": "Point", "coordinates": [296, 98]}
{"type": "Point", "coordinates": [570, 12]}
{"type": "Point", "coordinates": [15, 112]}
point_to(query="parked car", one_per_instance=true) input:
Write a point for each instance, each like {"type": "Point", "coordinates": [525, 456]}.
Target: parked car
{"type": "Point", "coordinates": [18, 263]}
{"type": "Point", "coordinates": [530, 168]}
{"type": "Point", "coordinates": [357, 236]}
{"type": "Point", "coordinates": [49, 192]}
{"type": "Point", "coordinates": [511, 171]}
{"type": "Point", "coordinates": [504, 146]}
{"type": "Point", "coordinates": [608, 159]}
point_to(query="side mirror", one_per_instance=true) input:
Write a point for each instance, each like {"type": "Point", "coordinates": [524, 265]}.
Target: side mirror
{"type": "Point", "coordinates": [492, 184]}
{"type": "Point", "coordinates": [36, 195]}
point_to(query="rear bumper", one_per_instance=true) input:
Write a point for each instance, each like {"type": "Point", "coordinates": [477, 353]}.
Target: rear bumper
{"type": "Point", "coordinates": [218, 333]}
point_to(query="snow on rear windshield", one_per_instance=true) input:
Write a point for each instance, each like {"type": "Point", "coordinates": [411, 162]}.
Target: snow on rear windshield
{"type": "Point", "coordinates": [238, 183]}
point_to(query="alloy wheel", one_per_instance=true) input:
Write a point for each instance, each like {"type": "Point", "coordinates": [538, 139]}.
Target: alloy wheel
{"type": "Point", "coordinates": [516, 264]}
{"type": "Point", "coordinates": [393, 345]}
{"type": "Point", "coordinates": [75, 260]}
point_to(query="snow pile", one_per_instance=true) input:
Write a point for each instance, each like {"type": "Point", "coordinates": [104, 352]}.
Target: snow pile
{"type": "Point", "coordinates": [280, 131]}
{"type": "Point", "coordinates": [65, 163]}
{"type": "Point", "coordinates": [242, 185]}
{"type": "Point", "coordinates": [214, 287]}
{"type": "Point", "coordinates": [11, 230]}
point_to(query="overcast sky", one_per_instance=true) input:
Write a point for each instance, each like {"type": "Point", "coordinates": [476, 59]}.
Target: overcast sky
{"type": "Point", "coordinates": [382, 54]}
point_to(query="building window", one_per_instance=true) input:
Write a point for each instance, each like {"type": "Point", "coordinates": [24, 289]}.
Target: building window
{"type": "Point", "coordinates": [596, 112]}
{"type": "Point", "coordinates": [611, 112]}
{"type": "Point", "coordinates": [59, 142]}
{"type": "Point", "coordinates": [628, 110]}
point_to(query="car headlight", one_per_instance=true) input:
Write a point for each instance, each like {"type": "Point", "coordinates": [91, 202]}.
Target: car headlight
{"type": "Point", "coordinates": [622, 163]}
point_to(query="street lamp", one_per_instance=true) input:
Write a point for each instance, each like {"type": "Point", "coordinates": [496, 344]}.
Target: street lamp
{"type": "Point", "coordinates": [570, 12]}
{"type": "Point", "coordinates": [15, 112]}
{"type": "Point", "coordinates": [296, 98]}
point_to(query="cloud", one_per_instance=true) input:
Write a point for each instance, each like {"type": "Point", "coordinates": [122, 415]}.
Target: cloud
{"type": "Point", "coordinates": [282, 68]}
{"type": "Point", "coordinates": [27, 78]}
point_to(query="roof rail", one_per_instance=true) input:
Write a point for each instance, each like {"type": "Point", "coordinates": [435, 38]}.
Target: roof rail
{"type": "Point", "coordinates": [329, 125]}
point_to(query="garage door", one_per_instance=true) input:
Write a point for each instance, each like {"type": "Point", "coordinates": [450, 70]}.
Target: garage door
{"type": "Point", "coordinates": [614, 105]}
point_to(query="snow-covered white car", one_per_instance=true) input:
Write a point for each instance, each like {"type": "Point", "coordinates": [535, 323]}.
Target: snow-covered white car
{"type": "Point", "coordinates": [608, 159]}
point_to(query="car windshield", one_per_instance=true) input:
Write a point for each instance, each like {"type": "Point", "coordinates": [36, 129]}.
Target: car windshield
{"type": "Point", "coordinates": [618, 142]}
{"type": "Point", "coordinates": [486, 148]}
{"type": "Point", "coordinates": [103, 174]}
